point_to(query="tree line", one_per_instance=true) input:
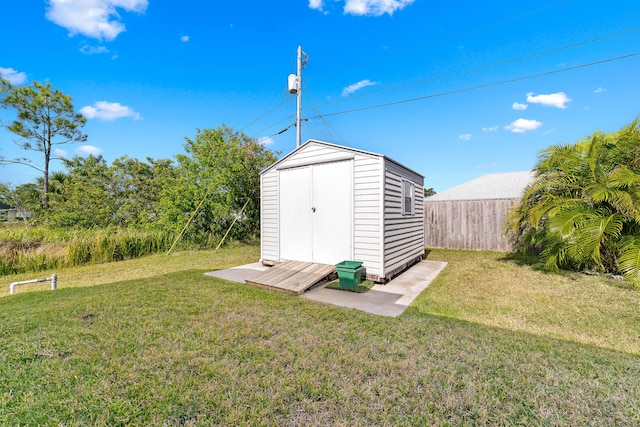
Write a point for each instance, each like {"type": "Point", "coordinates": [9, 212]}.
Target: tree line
{"type": "Point", "coordinates": [215, 182]}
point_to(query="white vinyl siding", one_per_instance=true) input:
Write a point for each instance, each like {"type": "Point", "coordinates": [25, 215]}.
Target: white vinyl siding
{"type": "Point", "coordinates": [269, 219]}
{"type": "Point", "coordinates": [367, 212]}
{"type": "Point", "coordinates": [404, 235]}
{"type": "Point", "coordinates": [310, 154]}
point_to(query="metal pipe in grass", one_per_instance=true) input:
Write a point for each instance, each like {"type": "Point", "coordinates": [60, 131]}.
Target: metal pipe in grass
{"type": "Point", "coordinates": [53, 279]}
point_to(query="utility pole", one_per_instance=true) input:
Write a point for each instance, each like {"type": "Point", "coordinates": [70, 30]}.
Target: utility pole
{"type": "Point", "coordinates": [295, 88]}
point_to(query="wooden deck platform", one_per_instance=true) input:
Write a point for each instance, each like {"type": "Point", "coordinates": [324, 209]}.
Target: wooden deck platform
{"type": "Point", "coordinates": [293, 277]}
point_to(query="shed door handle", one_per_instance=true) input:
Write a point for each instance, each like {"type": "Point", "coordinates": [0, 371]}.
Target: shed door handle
{"type": "Point", "coordinates": [313, 209]}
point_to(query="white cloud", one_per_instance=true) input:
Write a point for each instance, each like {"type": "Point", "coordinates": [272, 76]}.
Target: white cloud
{"type": "Point", "coordinates": [93, 50]}
{"type": "Point", "coordinates": [523, 125]}
{"type": "Point", "coordinates": [491, 129]}
{"type": "Point", "coordinates": [519, 107]}
{"type": "Point", "coordinates": [465, 137]}
{"type": "Point", "coordinates": [316, 4]}
{"type": "Point", "coordinates": [374, 7]}
{"type": "Point", "coordinates": [558, 100]}
{"type": "Point", "coordinates": [357, 86]}
{"type": "Point", "coordinates": [88, 150]}
{"type": "Point", "coordinates": [58, 152]}
{"type": "Point", "coordinates": [12, 76]}
{"type": "Point", "coordinates": [184, 39]}
{"type": "Point", "coordinates": [108, 111]}
{"type": "Point", "coordinates": [600, 90]}
{"type": "Point", "coordinates": [266, 141]}
{"type": "Point", "coordinates": [93, 18]}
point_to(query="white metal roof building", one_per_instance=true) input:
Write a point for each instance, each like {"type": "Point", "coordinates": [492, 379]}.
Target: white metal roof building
{"type": "Point", "coordinates": [495, 186]}
{"type": "Point", "coordinates": [473, 215]}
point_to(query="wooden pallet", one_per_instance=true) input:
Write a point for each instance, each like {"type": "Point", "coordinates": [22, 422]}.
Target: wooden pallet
{"type": "Point", "coordinates": [292, 277]}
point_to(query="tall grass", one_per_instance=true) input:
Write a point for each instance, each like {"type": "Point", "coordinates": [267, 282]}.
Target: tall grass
{"type": "Point", "coordinates": [106, 246]}
{"type": "Point", "coordinates": [21, 257]}
{"type": "Point", "coordinates": [33, 249]}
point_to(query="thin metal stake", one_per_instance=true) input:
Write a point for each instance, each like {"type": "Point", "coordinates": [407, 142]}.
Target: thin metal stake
{"type": "Point", "coordinates": [234, 221]}
{"type": "Point", "coordinates": [187, 224]}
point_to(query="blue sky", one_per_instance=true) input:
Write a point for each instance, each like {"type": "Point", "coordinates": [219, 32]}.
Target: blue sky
{"type": "Point", "coordinates": [444, 87]}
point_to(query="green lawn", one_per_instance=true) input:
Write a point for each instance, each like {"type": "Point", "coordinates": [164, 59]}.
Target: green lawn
{"type": "Point", "coordinates": [153, 341]}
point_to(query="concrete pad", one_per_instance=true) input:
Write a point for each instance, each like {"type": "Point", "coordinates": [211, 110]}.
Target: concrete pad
{"type": "Point", "coordinates": [239, 274]}
{"type": "Point", "coordinates": [385, 300]}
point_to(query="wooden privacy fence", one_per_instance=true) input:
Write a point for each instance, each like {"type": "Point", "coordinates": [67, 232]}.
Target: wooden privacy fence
{"type": "Point", "coordinates": [467, 224]}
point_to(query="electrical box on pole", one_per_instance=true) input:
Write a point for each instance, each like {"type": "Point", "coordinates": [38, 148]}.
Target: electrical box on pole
{"type": "Point", "coordinates": [294, 85]}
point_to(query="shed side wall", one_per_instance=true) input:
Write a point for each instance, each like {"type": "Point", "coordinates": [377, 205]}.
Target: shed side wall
{"type": "Point", "coordinates": [367, 213]}
{"type": "Point", "coordinates": [404, 235]}
{"type": "Point", "coordinates": [467, 224]}
{"type": "Point", "coordinates": [269, 218]}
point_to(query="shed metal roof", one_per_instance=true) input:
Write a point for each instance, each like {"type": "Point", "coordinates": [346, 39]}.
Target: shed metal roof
{"type": "Point", "coordinates": [509, 185]}
{"type": "Point", "coordinates": [339, 147]}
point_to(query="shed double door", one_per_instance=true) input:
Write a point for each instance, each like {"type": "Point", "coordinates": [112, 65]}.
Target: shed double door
{"type": "Point", "coordinates": [316, 212]}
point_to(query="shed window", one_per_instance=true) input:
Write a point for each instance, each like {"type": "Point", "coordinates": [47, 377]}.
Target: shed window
{"type": "Point", "coordinates": [408, 198]}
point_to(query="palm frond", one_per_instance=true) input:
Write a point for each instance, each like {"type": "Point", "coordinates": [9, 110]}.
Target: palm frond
{"type": "Point", "coordinates": [623, 176]}
{"type": "Point", "coordinates": [629, 259]}
{"type": "Point", "coordinates": [554, 254]}
{"type": "Point", "coordinates": [589, 238]}
{"type": "Point", "coordinates": [566, 221]}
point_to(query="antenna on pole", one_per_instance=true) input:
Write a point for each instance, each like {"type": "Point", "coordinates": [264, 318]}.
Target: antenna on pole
{"type": "Point", "coordinates": [295, 88]}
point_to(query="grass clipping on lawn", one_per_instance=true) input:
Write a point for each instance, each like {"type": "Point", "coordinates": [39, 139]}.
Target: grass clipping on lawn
{"type": "Point", "coordinates": [156, 342]}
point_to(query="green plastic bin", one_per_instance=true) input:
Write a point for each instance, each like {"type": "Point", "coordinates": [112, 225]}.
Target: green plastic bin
{"type": "Point", "coordinates": [349, 273]}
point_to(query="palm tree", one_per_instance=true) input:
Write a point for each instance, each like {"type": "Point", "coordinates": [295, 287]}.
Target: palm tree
{"type": "Point", "coordinates": [583, 209]}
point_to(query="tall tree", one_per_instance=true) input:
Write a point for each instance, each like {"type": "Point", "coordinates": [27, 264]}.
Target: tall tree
{"type": "Point", "coordinates": [45, 118]}
{"type": "Point", "coordinates": [137, 186]}
{"type": "Point", "coordinates": [583, 209]}
{"type": "Point", "coordinates": [5, 86]}
{"type": "Point", "coordinates": [221, 172]}
{"type": "Point", "coordinates": [84, 196]}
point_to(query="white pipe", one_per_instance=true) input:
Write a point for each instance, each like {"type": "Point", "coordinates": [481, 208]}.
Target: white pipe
{"type": "Point", "coordinates": [53, 279]}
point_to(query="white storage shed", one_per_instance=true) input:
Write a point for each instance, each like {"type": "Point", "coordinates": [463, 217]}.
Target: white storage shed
{"type": "Point", "coordinates": [326, 203]}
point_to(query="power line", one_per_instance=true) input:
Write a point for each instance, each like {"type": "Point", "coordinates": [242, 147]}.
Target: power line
{"type": "Point", "coordinates": [468, 89]}
{"type": "Point", "coordinates": [289, 117]}
{"type": "Point", "coordinates": [280, 132]}
{"type": "Point", "coordinates": [267, 113]}
{"type": "Point", "coordinates": [484, 67]}
{"type": "Point", "coordinates": [326, 124]}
